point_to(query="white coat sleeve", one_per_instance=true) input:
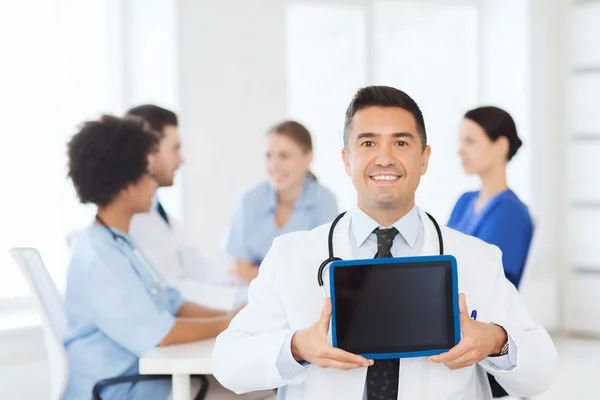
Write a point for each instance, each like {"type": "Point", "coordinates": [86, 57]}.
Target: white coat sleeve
{"type": "Point", "coordinates": [535, 356]}
{"type": "Point", "coordinates": [246, 355]}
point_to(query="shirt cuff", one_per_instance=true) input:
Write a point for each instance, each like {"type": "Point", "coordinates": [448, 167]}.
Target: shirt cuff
{"type": "Point", "coordinates": [506, 362]}
{"type": "Point", "coordinates": [286, 364]}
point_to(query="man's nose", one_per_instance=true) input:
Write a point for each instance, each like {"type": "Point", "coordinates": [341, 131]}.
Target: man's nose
{"type": "Point", "coordinates": [385, 156]}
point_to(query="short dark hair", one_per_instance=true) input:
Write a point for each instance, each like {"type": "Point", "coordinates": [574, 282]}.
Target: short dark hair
{"type": "Point", "coordinates": [156, 116]}
{"type": "Point", "coordinates": [496, 122]}
{"type": "Point", "coordinates": [384, 96]}
{"type": "Point", "coordinates": [107, 155]}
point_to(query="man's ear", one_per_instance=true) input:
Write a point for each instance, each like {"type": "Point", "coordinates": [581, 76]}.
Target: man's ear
{"type": "Point", "coordinates": [346, 159]}
{"type": "Point", "coordinates": [425, 159]}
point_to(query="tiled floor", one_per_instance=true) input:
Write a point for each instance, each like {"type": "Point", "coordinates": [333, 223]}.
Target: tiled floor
{"type": "Point", "coordinates": [578, 376]}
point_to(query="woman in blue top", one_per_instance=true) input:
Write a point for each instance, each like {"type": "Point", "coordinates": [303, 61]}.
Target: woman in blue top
{"type": "Point", "coordinates": [291, 200]}
{"type": "Point", "coordinates": [488, 141]}
{"type": "Point", "coordinates": [117, 304]}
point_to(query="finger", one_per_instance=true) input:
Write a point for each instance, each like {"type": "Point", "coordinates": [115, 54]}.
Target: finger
{"type": "Point", "coordinates": [342, 356]}
{"type": "Point", "coordinates": [453, 354]}
{"type": "Point", "coordinates": [325, 315]}
{"type": "Point", "coordinates": [462, 308]}
{"type": "Point", "coordinates": [328, 363]}
{"type": "Point", "coordinates": [466, 360]}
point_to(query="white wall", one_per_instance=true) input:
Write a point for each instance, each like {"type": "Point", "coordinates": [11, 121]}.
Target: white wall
{"type": "Point", "coordinates": [546, 85]}
{"type": "Point", "coordinates": [582, 139]}
{"type": "Point", "coordinates": [504, 76]}
{"type": "Point", "coordinates": [232, 89]}
{"type": "Point", "coordinates": [150, 69]}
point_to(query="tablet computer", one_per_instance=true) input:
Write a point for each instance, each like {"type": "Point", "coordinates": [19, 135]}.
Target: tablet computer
{"type": "Point", "coordinates": [395, 307]}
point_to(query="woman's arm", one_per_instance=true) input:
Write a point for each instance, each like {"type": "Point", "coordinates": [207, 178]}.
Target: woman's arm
{"type": "Point", "coordinates": [236, 245]}
{"type": "Point", "coordinates": [188, 330]}
{"type": "Point", "coordinates": [193, 310]}
{"type": "Point", "coordinates": [246, 270]}
{"type": "Point", "coordinates": [195, 322]}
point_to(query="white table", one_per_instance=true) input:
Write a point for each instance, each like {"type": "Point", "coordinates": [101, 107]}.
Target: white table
{"type": "Point", "coordinates": [180, 361]}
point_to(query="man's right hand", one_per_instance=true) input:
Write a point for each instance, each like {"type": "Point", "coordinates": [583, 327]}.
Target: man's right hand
{"type": "Point", "coordinates": [311, 345]}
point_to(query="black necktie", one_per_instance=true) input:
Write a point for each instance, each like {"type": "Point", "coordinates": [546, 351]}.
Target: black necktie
{"type": "Point", "coordinates": [382, 377]}
{"type": "Point", "coordinates": [162, 212]}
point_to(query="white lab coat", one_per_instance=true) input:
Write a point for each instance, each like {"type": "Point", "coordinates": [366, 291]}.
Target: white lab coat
{"type": "Point", "coordinates": [286, 297]}
{"type": "Point", "coordinates": [168, 248]}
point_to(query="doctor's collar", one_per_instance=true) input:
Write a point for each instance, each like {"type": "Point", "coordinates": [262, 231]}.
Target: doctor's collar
{"type": "Point", "coordinates": [362, 226]}
{"type": "Point", "coordinates": [109, 231]}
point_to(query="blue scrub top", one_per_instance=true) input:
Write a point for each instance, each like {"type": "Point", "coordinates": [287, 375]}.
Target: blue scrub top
{"type": "Point", "coordinates": [116, 313]}
{"type": "Point", "coordinates": [504, 221]}
{"type": "Point", "coordinates": [253, 227]}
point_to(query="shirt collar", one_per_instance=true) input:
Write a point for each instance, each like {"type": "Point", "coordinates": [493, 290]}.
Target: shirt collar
{"type": "Point", "coordinates": [155, 201]}
{"type": "Point", "coordinates": [408, 226]}
{"type": "Point", "coordinates": [306, 199]}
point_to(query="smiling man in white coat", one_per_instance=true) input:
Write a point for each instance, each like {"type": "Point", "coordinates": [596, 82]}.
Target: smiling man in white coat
{"type": "Point", "coordinates": [281, 338]}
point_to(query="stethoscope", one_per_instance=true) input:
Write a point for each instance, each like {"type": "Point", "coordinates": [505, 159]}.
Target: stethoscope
{"type": "Point", "coordinates": [332, 258]}
{"type": "Point", "coordinates": [159, 282]}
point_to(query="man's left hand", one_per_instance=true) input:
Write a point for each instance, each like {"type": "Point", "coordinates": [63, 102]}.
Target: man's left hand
{"type": "Point", "coordinates": [479, 341]}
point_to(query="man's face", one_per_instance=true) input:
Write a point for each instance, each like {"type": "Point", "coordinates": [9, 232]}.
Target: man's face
{"type": "Point", "coordinates": [385, 158]}
{"type": "Point", "coordinates": [168, 159]}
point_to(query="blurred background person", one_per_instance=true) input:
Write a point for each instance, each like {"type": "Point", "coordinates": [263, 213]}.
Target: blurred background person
{"type": "Point", "coordinates": [494, 214]}
{"type": "Point", "coordinates": [161, 235]}
{"type": "Point", "coordinates": [118, 305]}
{"type": "Point", "coordinates": [290, 200]}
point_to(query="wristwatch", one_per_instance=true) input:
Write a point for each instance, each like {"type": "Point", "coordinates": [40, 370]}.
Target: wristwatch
{"type": "Point", "coordinates": [504, 350]}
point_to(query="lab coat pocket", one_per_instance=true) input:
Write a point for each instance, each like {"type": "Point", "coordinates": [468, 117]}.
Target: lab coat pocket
{"type": "Point", "coordinates": [453, 385]}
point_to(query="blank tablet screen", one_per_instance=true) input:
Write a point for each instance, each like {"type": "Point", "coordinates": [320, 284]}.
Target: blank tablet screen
{"type": "Point", "coordinates": [394, 307]}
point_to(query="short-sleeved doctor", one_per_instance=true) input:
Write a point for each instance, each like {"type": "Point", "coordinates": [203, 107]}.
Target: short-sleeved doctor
{"type": "Point", "coordinates": [253, 226]}
{"type": "Point", "coordinates": [116, 311]}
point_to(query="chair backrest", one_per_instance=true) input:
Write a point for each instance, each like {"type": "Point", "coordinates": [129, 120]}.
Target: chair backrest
{"type": "Point", "coordinates": [52, 313]}
{"type": "Point", "coordinates": [530, 270]}
{"type": "Point", "coordinates": [538, 287]}
{"type": "Point", "coordinates": [532, 254]}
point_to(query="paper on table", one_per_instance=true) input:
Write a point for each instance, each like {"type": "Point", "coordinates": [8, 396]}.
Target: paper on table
{"type": "Point", "coordinates": [210, 295]}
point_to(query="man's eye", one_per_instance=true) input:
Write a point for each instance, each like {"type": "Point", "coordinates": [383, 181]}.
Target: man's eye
{"type": "Point", "coordinates": [401, 143]}
{"type": "Point", "coordinates": [367, 143]}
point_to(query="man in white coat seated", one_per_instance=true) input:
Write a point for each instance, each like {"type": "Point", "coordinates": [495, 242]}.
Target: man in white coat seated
{"type": "Point", "coordinates": [161, 236]}
{"type": "Point", "coordinates": [163, 239]}
{"type": "Point", "coordinates": [281, 338]}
